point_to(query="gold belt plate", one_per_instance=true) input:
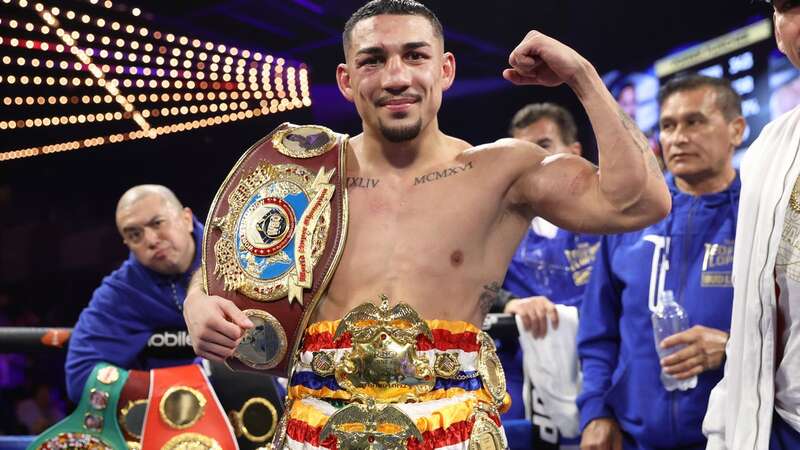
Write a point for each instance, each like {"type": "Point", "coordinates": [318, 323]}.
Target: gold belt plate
{"type": "Point", "coordinates": [490, 369]}
{"type": "Point", "coordinates": [384, 352]}
{"type": "Point", "coordinates": [370, 426]}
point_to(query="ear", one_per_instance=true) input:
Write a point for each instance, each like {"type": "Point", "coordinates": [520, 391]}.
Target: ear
{"type": "Point", "coordinates": [736, 128]}
{"type": "Point", "coordinates": [186, 216]}
{"type": "Point", "coordinates": [778, 37]}
{"type": "Point", "coordinates": [448, 70]}
{"type": "Point", "coordinates": [576, 148]}
{"type": "Point", "coordinates": [343, 81]}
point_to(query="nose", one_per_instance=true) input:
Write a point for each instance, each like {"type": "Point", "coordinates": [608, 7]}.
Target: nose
{"type": "Point", "coordinates": [681, 137]}
{"type": "Point", "coordinates": [150, 237]}
{"type": "Point", "coordinates": [678, 137]}
{"type": "Point", "coordinates": [396, 76]}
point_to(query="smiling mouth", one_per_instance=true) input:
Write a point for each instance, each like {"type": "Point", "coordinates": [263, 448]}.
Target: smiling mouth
{"type": "Point", "coordinates": [398, 102]}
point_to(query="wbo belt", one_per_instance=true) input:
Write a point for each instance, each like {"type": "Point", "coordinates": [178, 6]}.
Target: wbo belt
{"type": "Point", "coordinates": [276, 232]}
{"type": "Point", "coordinates": [379, 356]}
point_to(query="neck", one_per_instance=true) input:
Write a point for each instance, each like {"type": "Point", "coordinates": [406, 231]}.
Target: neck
{"type": "Point", "coordinates": [706, 185]}
{"type": "Point", "coordinates": [374, 151]}
{"type": "Point", "coordinates": [187, 265]}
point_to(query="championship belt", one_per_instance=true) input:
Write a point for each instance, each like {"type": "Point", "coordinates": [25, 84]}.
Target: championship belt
{"type": "Point", "coordinates": [184, 412]}
{"type": "Point", "coordinates": [93, 425]}
{"type": "Point", "coordinates": [274, 235]}
{"type": "Point", "coordinates": [252, 402]}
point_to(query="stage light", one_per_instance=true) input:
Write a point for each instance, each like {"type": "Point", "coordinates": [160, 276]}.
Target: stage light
{"type": "Point", "coordinates": [181, 57]}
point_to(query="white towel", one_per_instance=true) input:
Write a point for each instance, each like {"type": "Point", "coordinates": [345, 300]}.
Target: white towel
{"type": "Point", "coordinates": [551, 363]}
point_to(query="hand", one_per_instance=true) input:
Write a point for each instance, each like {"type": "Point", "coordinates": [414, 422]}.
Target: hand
{"type": "Point", "coordinates": [542, 60]}
{"type": "Point", "coordinates": [705, 350]}
{"type": "Point", "coordinates": [534, 312]}
{"type": "Point", "coordinates": [602, 434]}
{"type": "Point", "coordinates": [214, 323]}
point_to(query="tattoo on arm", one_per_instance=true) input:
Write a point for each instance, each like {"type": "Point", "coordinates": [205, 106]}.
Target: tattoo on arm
{"type": "Point", "coordinates": [642, 143]}
{"type": "Point", "coordinates": [361, 182]}
{"type": "Point", "coordinates": [489, 296]}
{"type": "Point", "coordinates": [444, 173]}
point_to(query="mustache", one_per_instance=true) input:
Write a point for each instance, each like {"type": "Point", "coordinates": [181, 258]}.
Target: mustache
{"type": "Point", "coordinates": [386, 99]}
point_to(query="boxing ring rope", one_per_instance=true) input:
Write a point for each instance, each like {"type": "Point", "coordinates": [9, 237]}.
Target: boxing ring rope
{"type": "Point", "coordinates": [171, 343]}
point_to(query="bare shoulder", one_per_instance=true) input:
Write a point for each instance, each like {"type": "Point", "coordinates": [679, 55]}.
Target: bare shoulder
{"type": "Point", "coordinates": [515, 154]}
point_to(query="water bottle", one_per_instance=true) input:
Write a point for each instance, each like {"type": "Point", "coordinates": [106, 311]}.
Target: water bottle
{"type": "Point", "coordinates": [668, 319]}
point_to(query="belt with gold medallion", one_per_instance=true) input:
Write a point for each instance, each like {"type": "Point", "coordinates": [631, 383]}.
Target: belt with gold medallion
{"type": "Point", "coordinates": [276, 232]}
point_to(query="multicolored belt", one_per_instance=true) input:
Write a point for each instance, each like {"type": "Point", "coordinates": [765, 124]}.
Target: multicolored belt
{"type": "Point", "coordinates": [93, 425]}
{"type": "Point", "coordinates": [184, 412]}
{"type": "Point", "coordinates": [277, 231]}
{"type": "Point", "coordinates": [384, 376]}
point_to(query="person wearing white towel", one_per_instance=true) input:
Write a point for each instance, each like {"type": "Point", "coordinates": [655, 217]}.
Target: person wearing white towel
{"type": "Point", "coordinates": [757, 403]}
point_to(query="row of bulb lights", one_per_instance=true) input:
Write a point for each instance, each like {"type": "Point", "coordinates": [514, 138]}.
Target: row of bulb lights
{"type": "Point", "coordinates": [201, 77]}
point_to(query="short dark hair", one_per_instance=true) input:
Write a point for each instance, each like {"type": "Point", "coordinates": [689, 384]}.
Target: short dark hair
{"type": "Point", "coordinates": [728, 100]}
{"type": "Point", "coordinates": [395, 7]}
{"type": "Point", "coordinates": [558, 114]}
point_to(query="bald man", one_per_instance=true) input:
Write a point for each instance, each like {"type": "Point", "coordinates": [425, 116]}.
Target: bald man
{"type": "Point", "coordinates": [145, 294]}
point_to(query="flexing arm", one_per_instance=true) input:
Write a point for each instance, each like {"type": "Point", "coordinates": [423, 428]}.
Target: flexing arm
{"type": "Point", "coordinates": [627, 191]}
{"type": "Point", "coordinates": [214, 323]}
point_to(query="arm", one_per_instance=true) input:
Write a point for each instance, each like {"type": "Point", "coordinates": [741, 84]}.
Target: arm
{"type": "Point", "coordinates": [598, 338]}
{"type": "Point", "coordinates": [533, 309]}
{"type": "Point", "coordinates": [109, 330]}
{"type": "Point", "coordinates": [627, 191]}
{"type": "Point", "coordinates": [214, 323]}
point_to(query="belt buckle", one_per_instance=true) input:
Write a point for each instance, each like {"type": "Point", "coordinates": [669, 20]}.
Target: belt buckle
{"type": "Point", "coordinates": [370, 425]}
{"type": "Point", "coordinates": [384, 352]}
{"type": "Point", "coordinates": [486, 434]}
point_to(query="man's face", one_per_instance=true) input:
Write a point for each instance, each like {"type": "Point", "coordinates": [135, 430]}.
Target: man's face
{"type": "Point", "coordinates": [546, 133]}
{"type": "Point", "coordinates": [158, 234]}
{"type": "Point", "coordinates": [696, 139]}
{"type": "Point", "coordinates": [395, 73]}
{"type": "Point", "coordinates": [627, 101]}
{"type": "Point", "coordinates": [787, 28]}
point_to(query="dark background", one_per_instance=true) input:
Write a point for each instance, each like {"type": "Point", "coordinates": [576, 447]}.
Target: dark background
{"type": "Point", "coordinates": [57, 233]}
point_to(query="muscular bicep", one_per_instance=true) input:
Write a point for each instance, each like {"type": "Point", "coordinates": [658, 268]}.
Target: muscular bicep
{"type": "Point", "coordinates": [565, 190]}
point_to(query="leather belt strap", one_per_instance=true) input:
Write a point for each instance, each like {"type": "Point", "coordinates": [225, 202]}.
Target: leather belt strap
{"type": "Point", "coordinates": [184, 410]}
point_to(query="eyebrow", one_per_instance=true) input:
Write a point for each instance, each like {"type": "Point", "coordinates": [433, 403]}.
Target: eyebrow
{"type": "Point", "coordinates": [378, 50]}
{"type": "Point", "coordinates": [136, 227]}
{"type": "Point", "coordinates": [685, 116]}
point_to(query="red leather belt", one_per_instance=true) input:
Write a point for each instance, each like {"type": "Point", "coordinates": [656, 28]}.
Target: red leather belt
{"type": "Point", "coordinates": [184, 412]}
{"type": "Point", "coordinates": [273, 238]}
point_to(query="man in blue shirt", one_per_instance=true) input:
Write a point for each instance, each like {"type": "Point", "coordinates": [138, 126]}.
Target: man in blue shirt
{"type": "Point", "coordinates": [144, 295]}
{"type": "Point", "coordinates": [623, 403]}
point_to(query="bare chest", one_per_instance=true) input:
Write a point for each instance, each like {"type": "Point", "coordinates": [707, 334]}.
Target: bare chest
{"type": "Point", "coordinates": [415, 240]}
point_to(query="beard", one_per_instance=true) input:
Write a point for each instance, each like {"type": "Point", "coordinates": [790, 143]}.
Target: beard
{"type": "Point", "coordinates": [401, 133]}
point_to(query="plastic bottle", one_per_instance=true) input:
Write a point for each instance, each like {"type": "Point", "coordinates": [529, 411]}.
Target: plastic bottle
{"type": "Point", "coordinates": [668, 319]}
